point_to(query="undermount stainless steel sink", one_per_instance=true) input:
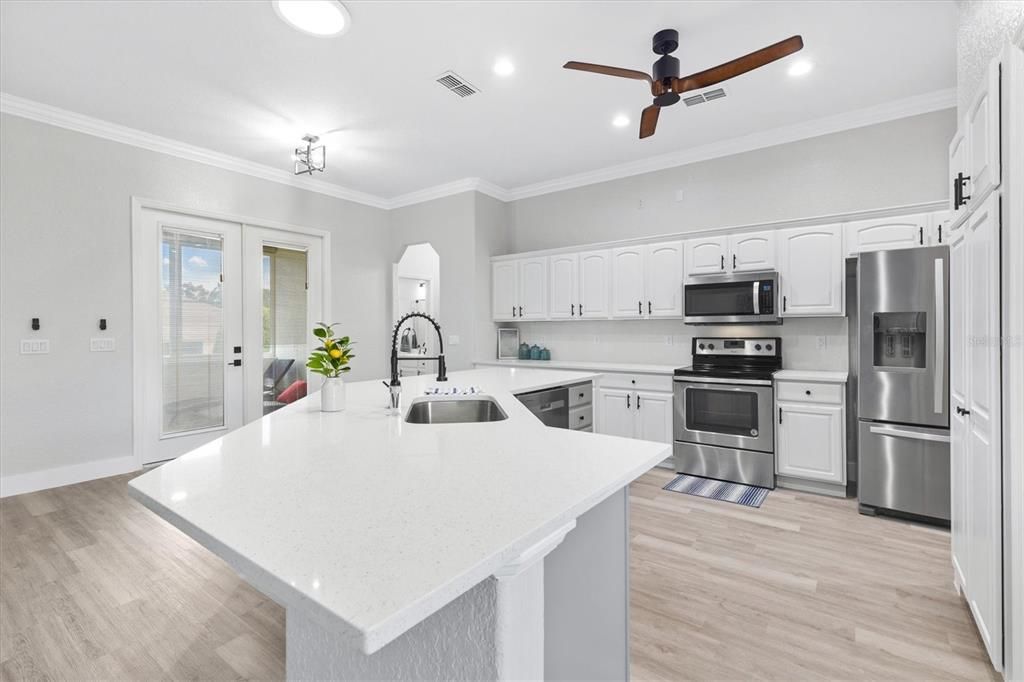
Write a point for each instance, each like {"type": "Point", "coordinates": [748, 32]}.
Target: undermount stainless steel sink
{"type": "Point", "coordinates": [456, 411]}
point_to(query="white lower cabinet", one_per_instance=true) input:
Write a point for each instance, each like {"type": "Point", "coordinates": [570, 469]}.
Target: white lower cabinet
{"type": "Point", "coordinates": [646, 415]}
{"type": "Point", "coordinates": [616, 414]}
{"type": "Point", "coordinates": [810, 431]}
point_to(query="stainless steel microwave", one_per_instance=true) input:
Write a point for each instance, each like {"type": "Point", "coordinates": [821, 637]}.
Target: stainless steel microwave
{"type": "Point", "coordinates": [744, 298]}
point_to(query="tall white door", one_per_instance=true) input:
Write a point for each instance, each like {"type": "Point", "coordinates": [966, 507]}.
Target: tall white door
{"type": "Point", "coordinates": [628, 282]}
{"type": "Point", "coordinates": [957, 403]}
{"type": "Point", "coordinates": [187, 304]}
{"type": "Point", "coordinates": [595, 284]}
{"type": "Point", "coordinates": [563, 289]}
{"type": "Point", "coordinates": [663, 275]}
{"type": "Point", "coordinates": [984, 455]}
{"type": "Point", "coordinates": [284, 299]}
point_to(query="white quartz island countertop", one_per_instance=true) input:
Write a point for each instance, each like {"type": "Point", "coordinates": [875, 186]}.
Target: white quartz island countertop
{"type": "Point", "coordinates": [370, 524]}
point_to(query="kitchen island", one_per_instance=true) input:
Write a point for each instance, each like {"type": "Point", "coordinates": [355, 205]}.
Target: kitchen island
{"type": "Point", "coordinates": [493, 550]}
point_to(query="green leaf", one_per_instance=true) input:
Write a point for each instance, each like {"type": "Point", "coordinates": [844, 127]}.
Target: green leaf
{"type": "Point", "coordinates": [320, 333]}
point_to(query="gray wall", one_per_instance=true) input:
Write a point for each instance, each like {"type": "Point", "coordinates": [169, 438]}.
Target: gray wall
{"type": "Point", "coordinates": [65, 257]}
{"type": "Point", "coordinates": [983, 27]}
{"type": "Point", "coordinates": [889, 164]}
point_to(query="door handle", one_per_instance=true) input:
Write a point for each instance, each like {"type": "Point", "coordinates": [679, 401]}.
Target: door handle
{"type": "Point", "coordinates": [628, 404]}
{"type": "Point", "coordinates": [912, 435]}
{"type": "Point", "coordinates": [783, 304]}
{"type": "Point", "coordinates": [648, 307]}
{"type": "Point", "coordinates": [520, 311]}
{"type": "Point", "coordinates": [723, 261]}
{"type": "Point", "coordinates": [513, 311]}
{"type": "Point", "coordinates": [780, 415]}
{"type": "Point", "coordinates": [940, 234]}
{"type": "Point", "coordinates": [734, 261]}
{"type": "Point", "coordinates": [639, 307]}
{"type": "Point", "coordinates": [235, 363]}
{"type": "Point", "coordinates": [638, 401]}
{"type": "Point", "coordinates": [920, 235]}
{"type": "Point", "coordinates": [581, 310]}
{"type": "Point", "coordinates": [757, 300]}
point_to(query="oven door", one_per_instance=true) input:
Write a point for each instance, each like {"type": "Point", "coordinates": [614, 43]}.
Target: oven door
{"type": "Point", "coordinates": [732, 299]}
{"type": "Point", "coordinates": [725, 412]}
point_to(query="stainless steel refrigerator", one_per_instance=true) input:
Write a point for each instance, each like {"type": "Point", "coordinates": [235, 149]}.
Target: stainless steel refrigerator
{"type": "Point", "coordinates": [903, 381]}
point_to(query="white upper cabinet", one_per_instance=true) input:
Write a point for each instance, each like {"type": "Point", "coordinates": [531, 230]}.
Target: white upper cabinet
{"type": "Point", "coordinates": [563, 289]}
{"type": "Point", "coordinates": [504, 289]}
{"type": "Point", "coordinates": [628, 281]}
{"type": "Point", "coordinates": [663, 274]}
{"type": "Point", "coordinates": [903, 232]}
{"type": "Point", "coordinates": [706, 255]}
{"type": "Point", "coordinates": [981, 124]}
{"type": "Point", "coordinates": [752, 251]}
{"type": "Point", "coordinates": [595, 284]}
{"type": "Point", "coordinates": [533, 289]}
{"type": "Point", "coordinates": [813, 271]}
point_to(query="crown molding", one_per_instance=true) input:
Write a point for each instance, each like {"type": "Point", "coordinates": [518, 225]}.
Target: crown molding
{"type": "Point", "coordinates": [448, 189]}
{"type": "Point", "coordinates": [44, 113]}
{"type": "Point", "coordinates": [911, 106]}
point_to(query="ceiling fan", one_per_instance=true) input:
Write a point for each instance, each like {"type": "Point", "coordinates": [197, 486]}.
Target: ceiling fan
{"type": "Point", "coordinates": [666, 85]}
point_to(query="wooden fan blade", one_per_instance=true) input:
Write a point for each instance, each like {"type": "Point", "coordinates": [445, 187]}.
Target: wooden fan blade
{"type": "Point", "coordinates": [649, 120]}
{"type": "Point", "coordinates": [608, 70]}
{"type": "Point", "coordinates": [736, 67]}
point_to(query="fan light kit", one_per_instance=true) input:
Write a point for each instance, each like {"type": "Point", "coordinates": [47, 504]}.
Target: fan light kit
{"type": "Point", "coordinates": [620, 121]}
{"type": "Point", "coordinates": [316, 17]}
{"type": "Point", "coordinates": [800, 68]}
{"type": "Point", "coordinates": [504, 67]}
{"type": "Point", "coordinates": [310, 158]}
{"type": "Point", "coordinates": [666, 84]}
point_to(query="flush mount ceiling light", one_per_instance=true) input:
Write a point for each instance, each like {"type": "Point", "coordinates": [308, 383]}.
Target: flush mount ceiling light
{"type": "Point", "coordinates": [620, 121]}
{"type": "Point", "coordinates": [800, 68]}
{"type": "Point", "coordinates": [316, 17]}
{"type": "Point", "coordinates": [504, 67]}
{"type": "Point", "coordinates": [309, 158]}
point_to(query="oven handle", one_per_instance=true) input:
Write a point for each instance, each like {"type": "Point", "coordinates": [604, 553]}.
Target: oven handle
{"type": "Point", "coordinates": [757, 302]}
{"type": "Point", "coordinates": [720, 380]}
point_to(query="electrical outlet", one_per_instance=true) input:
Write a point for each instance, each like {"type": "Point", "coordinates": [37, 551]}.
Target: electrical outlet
{"type": "Point", "coordinates": [102, 345]}
{"type": "Point", "coordinates": [669, 340]}
{"type": "Point", "coordinates": [35, 346]}
{"type": "Point", "coordinates": [453, 339]}
{"type": "Point", "coordinates": [679, 195]}
{"type": "Point", "coordinates": [822, 342]}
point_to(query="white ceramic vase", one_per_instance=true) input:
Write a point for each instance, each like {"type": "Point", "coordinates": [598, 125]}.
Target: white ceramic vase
{"type": "Point", "coordinates": [332, 395]}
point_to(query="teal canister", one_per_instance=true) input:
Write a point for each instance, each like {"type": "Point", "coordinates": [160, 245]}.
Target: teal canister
{"type": "Point", "coordinates": [535, 352]}
{"type": "Point", "coordinates": [545, 354]}
{"type": "Point", "coordinates": [524, 351]}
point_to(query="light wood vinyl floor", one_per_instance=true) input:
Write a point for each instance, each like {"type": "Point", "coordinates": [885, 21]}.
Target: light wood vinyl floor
{"type": "Point", "coordinates": [93, 586]}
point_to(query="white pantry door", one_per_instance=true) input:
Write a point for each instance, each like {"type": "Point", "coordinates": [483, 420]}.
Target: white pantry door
{"type": "Point", "coordinates": [188, 332]}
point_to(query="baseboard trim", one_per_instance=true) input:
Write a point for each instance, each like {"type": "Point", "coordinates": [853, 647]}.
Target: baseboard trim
{"type": "Point", "coordinates": [32, 481]}
{"type": "Point", "coordinates": [807, 486]}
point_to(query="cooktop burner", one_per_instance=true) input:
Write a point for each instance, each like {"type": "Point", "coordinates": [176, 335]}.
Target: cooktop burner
{"type": "Point", "coordinates": [729, 358]}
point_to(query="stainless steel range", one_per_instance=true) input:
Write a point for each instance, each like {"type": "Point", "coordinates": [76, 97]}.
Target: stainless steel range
{"type": "Point", "coordinates": [723, 425]}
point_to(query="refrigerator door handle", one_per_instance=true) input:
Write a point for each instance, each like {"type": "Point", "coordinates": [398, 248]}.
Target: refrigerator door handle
{"type": "Point", "coordinates": [913, 435]}
{"type": "Point", "coordinates": [940, 335]}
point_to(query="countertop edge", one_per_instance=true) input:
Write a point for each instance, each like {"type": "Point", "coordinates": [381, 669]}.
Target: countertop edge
{"type": "Point", "coordinates": [576, 365]}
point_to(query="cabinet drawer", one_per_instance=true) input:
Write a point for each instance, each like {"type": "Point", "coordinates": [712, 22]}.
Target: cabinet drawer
{"type": "Point", "coordinates": [809, 392]}
{"type": "Point", "coordinates": [637, 382]}
{"type": "Point", "coordinates": [581, 417]}
{"type": "Point", "coordinates": [581, 394]}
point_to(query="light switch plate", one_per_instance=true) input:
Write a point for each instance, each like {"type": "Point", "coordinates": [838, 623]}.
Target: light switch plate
{"type": "Point", "coordinates": [102, 345]}
{"type": "Point", "coordinates": [35, 346]}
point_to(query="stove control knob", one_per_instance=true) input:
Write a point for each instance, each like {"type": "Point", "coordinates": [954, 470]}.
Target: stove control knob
{"type": "Point", "coordinates": [768, 347]}
{"type": "Point", "coordinates": [711, 346]}
{"type": "Point", "coordinates": [701, 346]}
{"type": "Point", "coordinates": [757, 346]}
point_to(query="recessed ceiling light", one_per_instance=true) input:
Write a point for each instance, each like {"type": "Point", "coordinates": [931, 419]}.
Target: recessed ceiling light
{"type": "Point", "coordinates": [316, 17]}
{"type": "Point", "coordinates": [504, 67]}
{"type": "Point", "coordinates": [620, 121]}
{"type": "Point", "coordinates": [800, 68]}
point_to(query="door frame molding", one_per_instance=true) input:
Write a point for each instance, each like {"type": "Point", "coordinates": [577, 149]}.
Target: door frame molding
{"type": "Point", "coordinates": [138, 205]}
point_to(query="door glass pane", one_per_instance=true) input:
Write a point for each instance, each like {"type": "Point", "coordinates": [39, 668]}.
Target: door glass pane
{"type": "Point", "coordinates": [285, 327]}
{"type": "Point", "coordinates": [717, 411]}
{"type": "Point", "coordinates": [192, 331]}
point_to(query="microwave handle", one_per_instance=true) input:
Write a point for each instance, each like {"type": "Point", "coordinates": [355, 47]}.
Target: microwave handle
{"type": "Point", "coordinates": [757, 301]}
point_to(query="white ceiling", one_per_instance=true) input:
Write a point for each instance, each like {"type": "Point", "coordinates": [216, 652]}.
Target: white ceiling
{"type": "Point", "coordinates": [231, 77]}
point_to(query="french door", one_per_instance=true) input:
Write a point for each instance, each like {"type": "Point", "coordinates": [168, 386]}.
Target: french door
{"type": "Point", "coordinates": [223, 313]}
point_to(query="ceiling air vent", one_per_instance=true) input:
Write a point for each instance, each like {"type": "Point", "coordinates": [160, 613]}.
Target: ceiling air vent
{"type": "Point", "coordinates": [455, 83]}
{"type": "Point", "coordinates": [717, 93]}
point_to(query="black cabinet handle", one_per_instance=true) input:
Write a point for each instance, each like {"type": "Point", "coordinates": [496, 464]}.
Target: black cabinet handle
{"type": "Point", "coordinates": [513, 311]}
{"type": "Point", "coordinates": [639, 307]}
{"type": "Point", "coordinates": [235, 363]}
{"type": "Point", "coordinates": [780, 415]}
{"type": "Point", "coordinates": [783, 304]}
{"type": "Point", "coordinates": [628, 404]}
{"type": "Point", "coordinates": [648, 307]}
{"type": "Point", "coordinates": [940, 234]}
{"type": "Point", "coordinates": [808, 392]}
{"type": "Point", "coordinates": [638, 401]}
{"type": "Point", "coordinates": [520, 311]}
{"type": "Point", "coordinates": [920, 235]}
{"type": "Point", "coordinates": [956, 194]}
{"type": "Point", "coordinates": [723, 261]}
{"type": "Point", "coordinates": [734, 261]}
{"type": "Point", "coordinates": [581, 310]}
{"type": "Point", "coordinates": [572, 310]}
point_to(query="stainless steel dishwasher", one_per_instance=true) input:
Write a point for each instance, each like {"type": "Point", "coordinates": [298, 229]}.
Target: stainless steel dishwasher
{"type": "Point", "coordinates": [563, 407]}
